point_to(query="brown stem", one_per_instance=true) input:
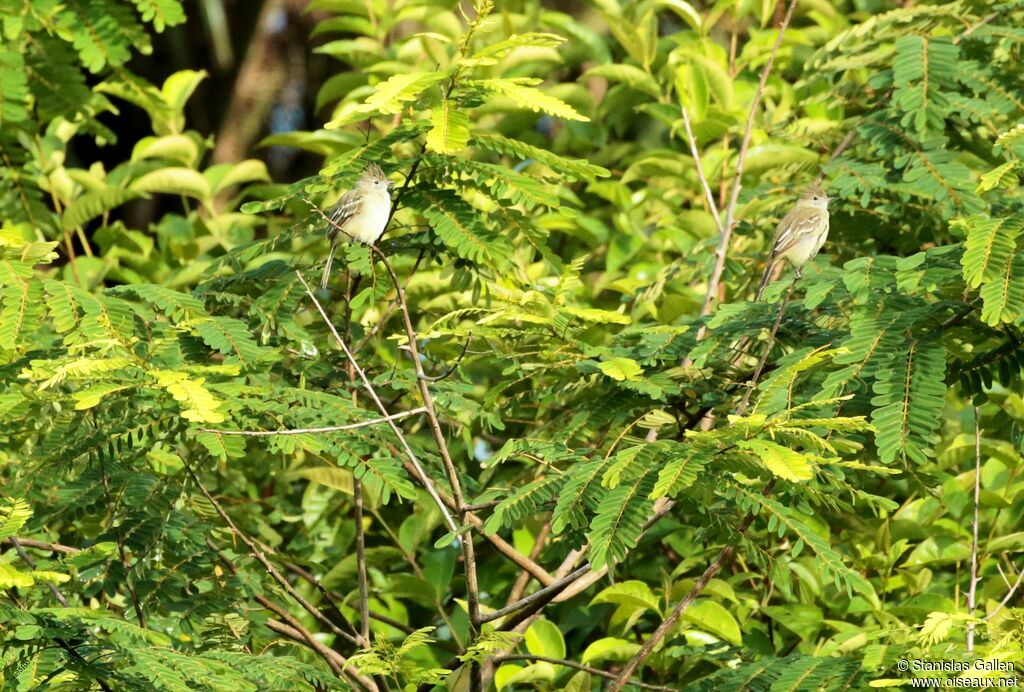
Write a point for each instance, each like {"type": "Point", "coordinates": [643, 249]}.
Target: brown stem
{"type": "Point", "coordinates": [524, 577]}
{"type": "Point", "coordinates": [973, 588]}
{"type": "Point", "coordinates": [261, 557]}
{"type": "Point", "coordinates": [72, 652]}
{"type": "Point", "coordinates": [125, 564]}
{"type": "Point", "coordinates": [730, 212]}
{"type": "Point", "coordinates": [578, 666]}
{"type": "Point", "coordinates": [41, 545]}
{"type": "Point", "coordinates": [423, 477]}
{"type": "Point", "coordinates": [663, 629]}
{"type": "Point", "coordinates": [468, 550]}
{"type": "Point", "coordinates": [767, 349]}
{"type": "Point", "coordinates": [330, 428]}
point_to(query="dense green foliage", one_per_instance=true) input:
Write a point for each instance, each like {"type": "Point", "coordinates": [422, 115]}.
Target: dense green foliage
{"type": "Point", "coordinates": [545, 270]}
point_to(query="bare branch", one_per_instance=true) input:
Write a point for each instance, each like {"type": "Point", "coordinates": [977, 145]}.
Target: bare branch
{"type": "Point", "coordinates": [41, 545]}
{"type": "Point", "coordinates": [294, 630]}
{"type": "Point", "coordinates": [468, 552]}
{"type": "Point", "coordinates": [578, 666]}
{"type": "Point", "coordinates": [261, 557]}
{"type": "Point", "coordinates": [666, 626]}
{"type": "Point", "coordinates": [329, 428]}
{"type": "Point", "coordinates": [72, 652]}
{"type": "Point", "coordinates": [424, 478]}
{"type": "Point", "coordinates": [451, 368]}
{"type": "Point", "coordinates": [734, 195]}
{"type": "Point", "coordinates": [972, 590]}
{"type": "Point", "coordinates": [1007, 597]}
{"type": "Point", "coordinates": [695, 152]}
{"type": "Point", "coordinates": [764, 354]}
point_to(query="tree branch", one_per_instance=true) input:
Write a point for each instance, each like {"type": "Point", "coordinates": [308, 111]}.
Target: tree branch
{"type": "Point", "coordinates": [71, 651]}
{"type": "Point", "coordinates": [695, 152]}
{"type": "Point", "coordinates": [261, 557]}
{"type": "Point", "coordinates": [663, 629]}
{"type": "Point", "coordinates": [329, 428]}
{"type": "Point", "coordinates": [730, 211]}
{"type": "Point", "coordinates": [424, 478]}
{"type": "Point", "coordinates": [41, 545]}
{"type": "Point", "coordinates": [972, 590]}
{"type": "Point", "coordinates": [578, 666]}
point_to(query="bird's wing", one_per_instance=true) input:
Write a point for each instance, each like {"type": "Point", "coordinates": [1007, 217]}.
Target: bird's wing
{"type": "Point", "coordinates": [795, 225]}
{"type": "Point", "coordinates": [347, 207]}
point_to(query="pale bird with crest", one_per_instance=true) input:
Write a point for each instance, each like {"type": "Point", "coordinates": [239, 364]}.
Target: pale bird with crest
{"type": "Point", "coordinates": [800, 234]}
{"type": "Point", "coordinates": [362, 213]}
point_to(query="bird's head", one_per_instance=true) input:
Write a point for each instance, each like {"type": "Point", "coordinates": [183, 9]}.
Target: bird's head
{"type": "Point", "coordinates": [373, 179]}
{"type": "Point", "coordinates": [814, 196]}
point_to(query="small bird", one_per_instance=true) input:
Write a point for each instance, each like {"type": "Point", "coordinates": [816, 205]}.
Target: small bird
{"type": "Point", "coordinates": [361, 213]}
{"type": "Point", "coordinates": [799, 235]}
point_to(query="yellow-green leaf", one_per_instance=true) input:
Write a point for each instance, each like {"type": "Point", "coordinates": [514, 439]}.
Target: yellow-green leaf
{"type": "Point", "coordinates": [621, 369]}
{"type": "Point", "coordinates": [449, 133]}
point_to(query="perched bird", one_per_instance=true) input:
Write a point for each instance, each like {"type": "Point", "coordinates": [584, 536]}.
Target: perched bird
{"type": "Point", "coordinates": [361, 213]}
{"type": "Point", "coordinates": [800, 234]}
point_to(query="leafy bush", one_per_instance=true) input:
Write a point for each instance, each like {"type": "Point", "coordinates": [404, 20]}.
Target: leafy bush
{"type": "Point", "coordinates": [539, 436]}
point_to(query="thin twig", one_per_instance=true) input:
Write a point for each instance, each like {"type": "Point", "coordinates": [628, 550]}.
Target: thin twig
{"type": "Point", "coordinates": [72, 652]}
{"type": "Point", "coordinates": [294, 630]}
{"type": "Point", "coordinates": [451, 368]}
{"type": "Point", "coordinates": [41, 545]}
{"type": "Point", "coordinates": [767, 349]}
{"type": "Point", "coordinates": [972, 590]}
{"type": "Point", "coordinates": [468, 551]}
{"type": "Point", "coordinates": [570, 584]}
{"type": "Point", "coordinates": [509, 551]}
{"type": "Point", "coordinates": [125, 564]}
{"type": "Point", "coordinates": [1007, 597]}
{"type": "Point", "coordinates": [708, 194]}
{"type": "Point", "coordinates": [329, 428]}
{"type": "Point", "coordinates": [542, 596]}
{"type": "Point", "coordinates": [332, 597]}
{"type": "Point", "coordinates": [390, 309]}
{"type": "Point", "coordinates": [730, 211]}
{"type": "Point", "coordinates": [524, 577]}
{"type": "Point", "coordinates": [357, 493]}
{"type": "Point", "coordinates": [261, 557]}
{"type": "Point", "coordinates": [663, 629]}
{"type": "Point", "coordinates": [578, 666]}
{"type": "Point", "coordinates": [424, 478]}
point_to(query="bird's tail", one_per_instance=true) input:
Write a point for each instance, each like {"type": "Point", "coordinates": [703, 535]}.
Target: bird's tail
{"type": "Point", "coordinates": [765, 278]}
{"type": "Point", "coordinates": [327, 267]}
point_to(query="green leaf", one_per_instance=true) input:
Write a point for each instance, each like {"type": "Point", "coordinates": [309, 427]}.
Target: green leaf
{"type": "Point", "coordinates": [449, 132]}
{"type": "Point", "coordinates": [231, 337]}
{"type": "Point", "coordinates": [520, 90]}
{"type": "Point", "coordinates": [631, 76]}
{"type": "Point", "coordinates": [711, 617]}
{"type": "Point", "coordinates": [543, 638]}
{"type": "Point", "coordinates": [621, 369]}
{"type": "Point", "coordinates": [174, 181]}
{"type": "Point", "coordinates": [632, 592]}
{"type": "Point", "coordinates": [609, 649]}
{"type": "Point", "coordinates": [197, 404]}
{"type": "Point", "coordinates": [908, 401]}
{"type": "Point", "coordinates": [619, 522]}
{"type": "Point", "coordinates": [14, 513]}
{"type": "Point", "coordinates": [162, 13]}
{"type": "Point", "coordinates": [780, 461]}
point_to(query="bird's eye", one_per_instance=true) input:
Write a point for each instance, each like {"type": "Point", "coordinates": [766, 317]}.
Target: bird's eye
{"type": "Point", "coordinates": [815, 198]}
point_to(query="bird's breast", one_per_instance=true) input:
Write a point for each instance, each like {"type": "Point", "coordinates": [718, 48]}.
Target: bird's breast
{"type": "Point", "coordinates": [369, 223]}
